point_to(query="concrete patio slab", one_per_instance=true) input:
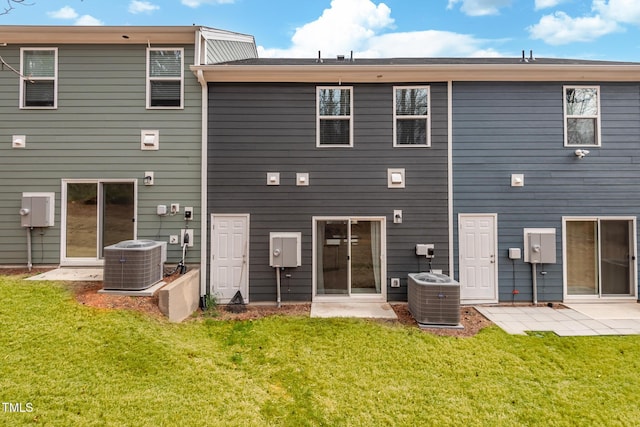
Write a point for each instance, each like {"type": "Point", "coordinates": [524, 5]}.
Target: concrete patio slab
{"type": "Point", "coordinates": [71, 275]}
{"type": "Point", "coordinates": [592, 320]}
{"type": "Point", "coordinates": [630, 310]}
{"type": "Point", "coordinates": [365, 310]}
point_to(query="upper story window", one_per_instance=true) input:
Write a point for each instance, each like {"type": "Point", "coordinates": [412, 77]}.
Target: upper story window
{"type": "Point", "coordinates": [411, 118]}
{"type": "Point", "coordinates": [581, 115]}
{"type": "Point", "coordinates": [334, 118]}
{"type": "Point", "coordinates": [165, 72]}
{"type": "Point", "coordinates": [39, 78]}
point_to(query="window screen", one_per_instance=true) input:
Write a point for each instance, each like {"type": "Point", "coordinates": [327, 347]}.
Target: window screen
{"type": "Point", "coordinates": [582, 116]}
{"type": "Point", "coordinates": [334, 116]}
{"type": "Point", "coordinates": [38, 78]}
{"type": "Point", "coordinates": [165, 78]}
{"type": "Point", "coordinates": [411, 124]}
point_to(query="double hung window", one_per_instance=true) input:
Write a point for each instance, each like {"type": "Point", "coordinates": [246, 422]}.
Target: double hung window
{"type": "Point", "coordinates": [39, 78]}
{"type": "Point", "coordinates": [165, 72]}
{"type": "Point", "coordinates": [334, 117]}
{"type": "Point", "coordinates": [411, 122]}
{"type": "Point", "coordinates": [581, 116]}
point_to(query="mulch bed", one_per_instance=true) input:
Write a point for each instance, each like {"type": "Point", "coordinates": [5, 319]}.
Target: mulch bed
{"type": "Point", "coordinates": [86, 293]}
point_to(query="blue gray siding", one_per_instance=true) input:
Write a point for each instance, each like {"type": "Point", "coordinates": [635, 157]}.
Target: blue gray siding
{"type": "Point", "coordinates": [505, 128]}
{"type": "Point", "coordinates": [260, 128]}
{"type": "Point", "coordinates": [95, 134]}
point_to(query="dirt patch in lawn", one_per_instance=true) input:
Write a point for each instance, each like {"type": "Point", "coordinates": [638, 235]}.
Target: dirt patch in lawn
{"type": "Point", "coordinates": [86, 293]}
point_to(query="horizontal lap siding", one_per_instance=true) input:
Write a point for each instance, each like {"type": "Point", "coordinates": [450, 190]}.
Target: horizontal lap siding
{"type": "Point", "coordinates": [255, 129]}
{"type": "Point", "coordinates": [500, 129]}
{"type": "Point", "coordinates": [95, 134]}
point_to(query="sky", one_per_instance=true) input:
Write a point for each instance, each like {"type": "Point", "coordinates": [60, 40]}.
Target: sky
{"type": "Point", "coordinates": [580, 29]}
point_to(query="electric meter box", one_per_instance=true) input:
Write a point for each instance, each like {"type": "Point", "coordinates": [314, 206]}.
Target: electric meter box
{"type": "Point", "coordinates": [284, 249]}
{"type": "Point", "coordinates": [540, 245]}
{"type": "Point", "coordinates": [37, 209]}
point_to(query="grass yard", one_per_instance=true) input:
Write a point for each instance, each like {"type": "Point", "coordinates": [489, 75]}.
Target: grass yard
{"type": "Point", "coordinates": [64, 364]}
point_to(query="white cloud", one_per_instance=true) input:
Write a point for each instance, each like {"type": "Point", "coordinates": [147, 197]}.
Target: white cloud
{"type": "Point", "coordinates": [346, 25]}
{"type": "Point", "coordinates": [356, 25]}
{"type": "Point", "coordinates": [479, 7]}
{"type": "Point", "coordinates": [546, 4]}
{"type": "Point", "coordinates": [428, 43]}
{"type": "Point", "coordinates": [561, 28]}
{"type": "Point", "coordinates": [625, 11]}
{"type": "Point", "coordinates": [88, 20]}
{"type": "Point", "coordinates": [198, 3]}
{"type": "Point", "coordinates": [66, 12]}
{"type": "Point", "coordinates": [137, 6]}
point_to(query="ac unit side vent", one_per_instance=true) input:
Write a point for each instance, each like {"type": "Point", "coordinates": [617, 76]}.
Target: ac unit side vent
{"type": "Point", "coordinates": [133, 265]}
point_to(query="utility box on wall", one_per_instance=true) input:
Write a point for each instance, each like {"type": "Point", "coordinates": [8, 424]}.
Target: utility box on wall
{"type": "Point", "coordinates": [284, 249]}
{"type": "Point", "coordinates": [37, 209]}
{"type": "Point", "coordinates": [540, 245]}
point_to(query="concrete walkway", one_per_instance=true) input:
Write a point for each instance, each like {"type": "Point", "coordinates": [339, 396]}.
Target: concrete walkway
{"type": "Point", "coordinates": [71, 274]}
{"type": "Point", "coordinates": [575, 320]}
{"type": "Point", "coordinates": [356, 309]}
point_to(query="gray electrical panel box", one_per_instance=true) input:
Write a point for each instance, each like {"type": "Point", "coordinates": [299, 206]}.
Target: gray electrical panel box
{"type": "Point", "coordinates": [540, 246]}
{"type": "Point", "coordinates": [37, 209]}
{"type": "Point", "coordinates": [284, 249]}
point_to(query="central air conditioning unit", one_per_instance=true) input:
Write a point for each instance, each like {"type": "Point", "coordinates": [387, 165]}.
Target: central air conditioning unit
{"type": "Point", "coordinates": [434, 299]}
{"type": "Point", "coordinates": [134, 265]}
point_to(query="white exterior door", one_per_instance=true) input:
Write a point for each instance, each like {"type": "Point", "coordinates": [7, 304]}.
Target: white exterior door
{"type": "Point", "coordinates": [229, 256]}
{"type": "Point", "coordinates": [478, 263]}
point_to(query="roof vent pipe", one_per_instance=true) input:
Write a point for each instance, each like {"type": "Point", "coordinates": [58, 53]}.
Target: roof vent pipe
{"type": "Point", "coordinates": [319, 60]}
{"type": "Point", "coordinates": [524, 58]}
{"type": "Point", "coordinates": [351, 56]}
{"type": "Point", "coordinates": [531, 58]}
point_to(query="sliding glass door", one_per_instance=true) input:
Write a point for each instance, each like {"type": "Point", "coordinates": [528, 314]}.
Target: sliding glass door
{"type": "Point", "coordinates": [96, 214]}
{"type": "Point", "coordinates": [600, 257]}
{"type": "Point", "coordinates": [348, 257]}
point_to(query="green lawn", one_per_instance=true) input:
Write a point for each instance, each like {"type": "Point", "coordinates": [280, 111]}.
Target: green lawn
{"type": "Point", "coordinates": [70, 365]}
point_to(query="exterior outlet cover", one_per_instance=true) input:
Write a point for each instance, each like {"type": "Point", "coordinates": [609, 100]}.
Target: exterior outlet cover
{"type": "Point", "coordinates": [190, 233]}
{"type": "Point", "coordinates": [188, 213]}
{"type": "Point", "coordinates": [397, 216]}
{"type": "Point", "coordinates": [395, 282]}
{"type": "Point", "coordinates": [148, 178]}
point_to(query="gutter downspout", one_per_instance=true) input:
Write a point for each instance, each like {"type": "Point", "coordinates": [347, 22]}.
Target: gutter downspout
{"type": "Point", "coordinates": [450, 172]}
{"type": "Point", "coordinates": [203, 184]}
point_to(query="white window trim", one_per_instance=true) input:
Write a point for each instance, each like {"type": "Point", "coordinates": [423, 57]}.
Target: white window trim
{"type": "Point", "coordinates": [633, 244]}
{"type": "Point", "coordinates": [396, 117]}
{"type": "Point", "coordinates": [24, 78]}
{"type": "Point", "coordinates": [566, 116]}
{"type": "Point", "coordinates": [149, 78]}
{"type": "Point", "coordinates": [319, 117]}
